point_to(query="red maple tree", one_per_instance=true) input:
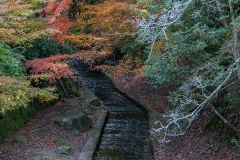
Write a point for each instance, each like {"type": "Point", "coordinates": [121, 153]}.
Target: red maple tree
{"type": "Point", "coordinates": [56, 9]}
{"type": "Point", "coordinates": [54, 67]}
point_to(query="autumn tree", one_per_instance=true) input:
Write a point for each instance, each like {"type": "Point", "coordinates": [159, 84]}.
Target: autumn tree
{"type": "Point", "coordinates": [99, 27]}
{"type": "Point", "coordinates": [51, 68]}
{"type": "Point", "coordinates": [20, 25]}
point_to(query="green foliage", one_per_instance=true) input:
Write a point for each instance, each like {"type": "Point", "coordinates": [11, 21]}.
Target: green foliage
{"type": "Point", "coordinates": [220, 127]}
{"type": "Point", "coordinates": [192, 41]}
{"type": "Point", "coordinates": [40, 129]}
{"type": "Point", "coordinates": [235, 142]}
{"type": "Point", "coordinates": [17, 93]}
{"type": "Point", "coordinates": [134, 49]}
{"type": "Point", "coordinates": [19, 22]}
{"type": "Point", "coordinates": [36, 4]}
{"type": "Point", "coordinates": [134, 53]}
{"type": "Point", "coordinates": [19, 122]}
{"type": "Point", "coordinates": [15, 90]}
{"type": "Point", "coordinates": [10, 62]}
{"type": "Point", "coordinates": [76, 30]}
{"type": "Point", "coordinates": [44, 48]}
{"type": "Point", "coordinates": [235, 94]}
{"type": "Point", "coordinates": [70, 87]}
{"type": "Point", "coordinates": [88, 29]}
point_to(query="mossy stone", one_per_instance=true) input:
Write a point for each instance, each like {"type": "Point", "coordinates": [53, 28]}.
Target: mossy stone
{"type": "Point", "coordinates": [74, 119]}
{"type": "Point", "coordinates": [82, 123]}
{"type": "Point", "coordinates": [14, 120]}
{"type": "Point", "coordinates": [73, 113]}
{"type": "Point", "coordinates": [64, 149]}
{"type": "Point", "coordinates": [20, 139]}
{"type": "Point", "coordinates": [95, 103]}
{"type": "Point", "coordinates": [76, 132]}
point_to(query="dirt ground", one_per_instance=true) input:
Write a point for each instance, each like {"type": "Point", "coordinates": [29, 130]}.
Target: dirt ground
{"type": "Point", "coordinates": [44, 135]}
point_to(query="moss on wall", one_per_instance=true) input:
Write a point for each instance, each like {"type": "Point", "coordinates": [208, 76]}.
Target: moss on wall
{"type": "Point", "coordinates": [14, 120]}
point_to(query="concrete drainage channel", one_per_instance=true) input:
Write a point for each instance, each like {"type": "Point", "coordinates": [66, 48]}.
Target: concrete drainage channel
{"type": "Point", "coordinates": [92, 142]}
{"type": "Point", "coordinates": [125, 134]}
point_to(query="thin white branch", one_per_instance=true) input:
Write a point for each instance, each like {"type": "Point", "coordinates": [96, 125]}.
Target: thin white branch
{"type": "Point", "coordinates": [153, 27]}
{"type": "Point", "coordinates": [177, 121]}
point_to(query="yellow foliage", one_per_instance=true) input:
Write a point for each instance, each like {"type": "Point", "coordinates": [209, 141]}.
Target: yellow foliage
{"type": "Point", "coordinates": [83, 40]}
{"type": "Point", "coordinates": [17, 22]}
{"type": "Point", "coordinates": [109, 16]}
{"type": "Point", "coordinates": [16, 93]}
{"type": "Point", "coordinates": [144, 11]}
{"type": "Point", "coordinates": [158, 48]}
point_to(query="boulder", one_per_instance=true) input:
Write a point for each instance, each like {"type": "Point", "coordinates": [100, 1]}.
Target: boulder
{"type": "Point", "coordinates": [20, 139]}
{"type": "Point", "coordinates": [95, 103]}
{"type": "Point", "coordinates": [65, 149]}
{"type": "Point", "coordinates": [74, 119]}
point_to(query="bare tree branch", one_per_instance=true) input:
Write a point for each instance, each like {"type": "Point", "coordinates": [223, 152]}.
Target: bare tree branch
{"type": "Point", "coordinates": [178, 121]}
{"type": "Point", "coordinates": [153, 27]}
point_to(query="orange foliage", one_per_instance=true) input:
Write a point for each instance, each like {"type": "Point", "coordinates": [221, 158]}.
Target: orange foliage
{"type": "Point", "coordinates": [92, 57]}
{"type": "Point", "coordinates": [62, 24]}
{"type": "Point", "coordinates": [158, 48]}
{"type": "Point", "coordinates": [81, 40]}
{"type": "Point", "coordinates": [102, 27]}
{"type": "Point", "coordinates": [109, 16]}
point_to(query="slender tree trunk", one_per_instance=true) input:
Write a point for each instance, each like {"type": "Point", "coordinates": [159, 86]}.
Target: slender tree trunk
{"type": "Point", "coordinates": [235, 38]}
{"type": "Point", "coordinates": [63, 88]}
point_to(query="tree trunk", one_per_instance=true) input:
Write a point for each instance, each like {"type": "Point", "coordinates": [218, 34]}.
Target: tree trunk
{"type": "Point", "coordinates": [63, 88]}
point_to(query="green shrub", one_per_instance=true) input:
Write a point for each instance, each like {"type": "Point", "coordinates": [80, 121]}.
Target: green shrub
{"type": "Point", "coordinates": [19, 122]}
{"type": "Point", "coordinates": [44, 48]}
{"type": "Point", "coordinates": [10, 62]}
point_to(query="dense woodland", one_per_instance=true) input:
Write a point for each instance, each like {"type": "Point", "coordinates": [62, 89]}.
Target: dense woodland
{"type": "Point", "coordinates": [192, 45]}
